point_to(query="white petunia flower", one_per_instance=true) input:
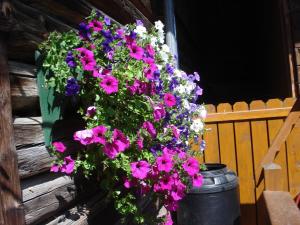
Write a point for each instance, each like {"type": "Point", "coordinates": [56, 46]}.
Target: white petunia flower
{"type": "Point", "coordinates": [159, 25]}
{"type": "Point", "coordinates": [153, 41]}
{"type": "Point", "coordinates": [202, 112]}
{"type": "Point", "coordinates": [165, 48]}
{"type": "Point", "coordinates": [164, 56]}
{"type": "Point", "coordinates": [186, 104]}
{"type": "Point", "coordinates": [180, 89]}
{"type": "Point", "coordinates": [141, 31]}
{"type": "Point", "coordinates": [197, 125]}
{"type": "Point", "coordinates": [159, 66]}
{"type": "Point", "coordinates": [161, 37]}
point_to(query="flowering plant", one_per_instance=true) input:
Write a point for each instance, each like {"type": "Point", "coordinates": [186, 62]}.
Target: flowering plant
{"type": "Point", "coordinates": [139, 110]}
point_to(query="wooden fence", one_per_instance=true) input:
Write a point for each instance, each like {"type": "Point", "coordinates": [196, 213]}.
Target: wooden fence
{"type": "Point", "coordinates": [239, 136]}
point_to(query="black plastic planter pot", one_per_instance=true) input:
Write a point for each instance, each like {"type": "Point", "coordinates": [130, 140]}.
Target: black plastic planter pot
{"type": "Point", "coordinates": [215, 203]}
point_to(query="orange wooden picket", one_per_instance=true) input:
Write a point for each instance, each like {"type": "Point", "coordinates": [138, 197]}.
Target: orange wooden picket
{"type": "Point", "coordinates": [239, 136]}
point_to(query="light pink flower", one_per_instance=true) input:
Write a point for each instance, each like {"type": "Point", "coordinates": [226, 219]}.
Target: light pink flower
{"type": "Point", "coordinates": [169, 100]}
{"type": "Point", "coordinates": [140, 169]}
{"type": "Point", "coordinates": [85, 137]}
{"type": "Point", "coordinates": [191, 166]}
{"type": "Point", "coordinates": [109, 84]}
{"type": "Point", "coordinates": [59, 146]}
{"type": "Point", "coordinates": [168, 220]}
{"type": "Point", "coordinates": [99, 134]}
{"type": "Point", "coordinates": [164, 163]}
{"type": "Point", "coordinates": [197, 180]}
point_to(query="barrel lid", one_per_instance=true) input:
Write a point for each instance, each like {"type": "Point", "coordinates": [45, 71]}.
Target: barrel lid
{"type": "Point", "coordinates": [216, 178]}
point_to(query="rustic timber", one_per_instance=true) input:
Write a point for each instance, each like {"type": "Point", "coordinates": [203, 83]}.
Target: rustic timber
{"type": "Point", "coordinates": [271, 173]}
{"type": "Point", "coordinates": [281, 208]}
{"type": "Point", "coordinates": [33, 160]}
{"type": "Point", "coordinates": [283, 133]}
{"type": "Point", "coordinates": [10, 193]}
{"type": "Point", "coordinates": [248, 115]}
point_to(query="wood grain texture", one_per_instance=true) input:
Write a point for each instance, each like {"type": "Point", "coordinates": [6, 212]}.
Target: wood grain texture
{"type": "Point", "coordinates": [211, 153]}
{"type": "Point", "coordinates": [10, 193]}
{"type": "Point", "coordinates": [274, 127]}
{"type": "Point", "coordinates": [227, 139]}
{"type": "Point", "coordinates": [293, 156]}
{"type": "Point", "coordinates": [260, 147]}
{"type": "Point", "coordinates": [282, 209]}
{"type": "Point", "coordinates": [245, 168]}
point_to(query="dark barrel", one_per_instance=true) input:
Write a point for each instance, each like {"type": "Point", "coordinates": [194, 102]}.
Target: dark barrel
{"type": "Point", "coordinates": [216, 202]}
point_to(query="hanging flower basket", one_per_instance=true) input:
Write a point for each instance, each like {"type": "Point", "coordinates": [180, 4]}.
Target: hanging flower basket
{"type": "Point", "coordinates": [139, 110]}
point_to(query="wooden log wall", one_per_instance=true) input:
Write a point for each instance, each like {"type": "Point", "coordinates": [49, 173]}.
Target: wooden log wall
{"type": "Point", "coordinates": [239, 136]}
{"type": "Point", "coordinates": [53, 198]}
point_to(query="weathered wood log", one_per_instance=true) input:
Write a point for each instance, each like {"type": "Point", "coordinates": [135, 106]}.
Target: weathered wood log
{"type": "Point", "coordinates": [48, 194]}
{"type": "Point", "coordinates": [10, 192]}
{"type": "Point", "coordinates": [45, 195]}
{"type": "Point", "coordinates": [83, 213]}
{"type": "Point", "coordinates": [26, 70]}
{"type": "Point", "coordinates": [33, 160]}
{"type": "Point", "coordinates": [28, 131]}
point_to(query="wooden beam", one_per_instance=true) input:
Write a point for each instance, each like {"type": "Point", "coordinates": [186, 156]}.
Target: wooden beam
{"type": "Point", "coordinates": [283, 133]}
{"type": "Point", "coordinates": [272, 172]}
{"type": "Point", "coordinates": [11, 212]}
{"type": "Point", "coordinates": [281, 208]}
{"type": "Point", "coordinates": [248, 115]}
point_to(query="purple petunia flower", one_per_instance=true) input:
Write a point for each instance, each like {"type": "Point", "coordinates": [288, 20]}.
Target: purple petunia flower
{"type": "Point", "coordinates": [169, 69]}
{"type": "Point", "coordinates": [139, 23]}
{"type": "Point", "coordinates": [72, 87]}
{"type": "Point", "coordinates": [84, 31]}
{"type": "Point", "coordinates": [107, 21]}
{"type": "Point", "coordinates": [198, 91]}
{"type": "Point", "coordinates": [70, 60]}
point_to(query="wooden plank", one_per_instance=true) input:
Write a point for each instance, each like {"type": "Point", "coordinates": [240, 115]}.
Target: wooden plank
{"type": "Point", "coordinates": [259, 134]}
{"type": "Point", "coordinates": [211, 154]}
{"type": "Point", "coordinates": [293, 156]}
{"type": "Point", "coordinates": [22, 69]}
{"type": "Point", "coordinates": [33, 160]}
{"type": "Point", "coordinates": [247, 115]}
{"type": "Point", "coordinates": [281, 208]}
{"type": "Point", "coordinates": [274, 126]}
{"type": "Point", "coordinates": [245, 168]}
{"type": "Point", "coordinates": [283, 133]}
{"type": "Point", "coordinates": [10, 193]}
{"type": "Point", "coordinates": [226, 139]}
{"type": "Point", "coordinates": [45, 195]}
{"type": "Point", "coordinates": [271, 172]}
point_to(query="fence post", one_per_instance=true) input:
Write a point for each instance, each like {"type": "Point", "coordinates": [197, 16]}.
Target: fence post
{"type": "Point", "coordinates": [272, 173]}
{"type": "Point", "coordinates": [11, 212]}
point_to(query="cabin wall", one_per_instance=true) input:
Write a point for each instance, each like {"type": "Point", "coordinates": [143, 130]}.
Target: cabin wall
{"type": "Point", "coordinates": [53, 198]}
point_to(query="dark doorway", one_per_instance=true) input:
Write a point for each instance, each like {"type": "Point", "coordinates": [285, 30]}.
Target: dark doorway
{"type": "Point", "coordinates": [237, 47]}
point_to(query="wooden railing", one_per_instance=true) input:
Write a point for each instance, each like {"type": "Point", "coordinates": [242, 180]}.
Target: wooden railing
{"type": "Point", "coordinates": [239, 136]}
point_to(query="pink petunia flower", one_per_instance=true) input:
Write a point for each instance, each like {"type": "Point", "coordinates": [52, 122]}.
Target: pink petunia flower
{"type": "Point", "coordinates": [197, 180]}
{"type": "Point", "coordinates": [140, 169]}
{"type": "Point", "coordinates": [83, 52]}
{"type": "Point", "coordinates": [55, 168]}
{"type": "Point", "coordinates": [59, 146]}
{"type": "Point", "coordinates": [149, 71]}
{"type": "Point", "coordinates": [178, 191]}
{"type": "Point", "coordinates": [91, 111]}
{"type": "Point", "coordinates": [164, 163]}
{"type": "Point", "coordinates": [166, 183]}
{"type": "Point", "coordinates": [140, 142]}
{"type": "Point", "coordinates": [120, 140]}
{"type": "Point", "coordinates": [136, 52]}
{"type": "Point", "coordinates": [159, 113]}
{"type": "Point", "coordinates": [96, 25]}
{"type": "Point", "coordinates": [110, 150]}
{"type": "Point", "coordinates": [109, 84]}
{"type": "Point", "coordinates": [99, 134]}
{"type": "Point", "coordinates": [191, 166]}
{"type": "Point", "coordinates": [68, 165]}
{"type": "Point", "coordinates": [88, 63]}
{"type": "Point", "coordinates": [171, 205]}
{"type": "Point", "coordinates": [149, 127]}
{"type": "Point", "coordinates": [169, 100]}
{"type": "Point", "coordinates": [168, 219]}
{"type": "Point", "coordinates": [150, 50]}
{"type": "Point", "coordinates": [85, 137]}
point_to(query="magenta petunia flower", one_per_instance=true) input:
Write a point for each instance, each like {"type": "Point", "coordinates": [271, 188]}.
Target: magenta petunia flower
{"type": "Point", "coordinates": [55, 168]}
{"type": "Point", "coordinates": [109, 84]}
{"type": "Point", "coordinates": [164, 163]}
{"type": "Point", "coordinates": [136, 52]}
{"type": "Point", "coordinates": [169, 100]}
{"type": "Point", "coordinates": [159, 113]}
{"type": "Point", "coordinates": [191, 166]}
{"type": "Point", "coordinates": [178, 191]}
{"type": "Point", "coordinates": [96, 25]}
{"type": "Point", "coordinates": [150, 50]}
{"type": "Point", "coordinates": [166, 183]}
{"type": "Point", "coordinates": [175, 131]}
{"type": "Point", "coordinates": [171, 205]}
{"type": "Point", "coordinates": [83, 52]}
{"type": "Point", "coordinates": [197, 180]}
{"type": "Point", "coordinates": [149, 127]}
{"type": "Point", "coordinates": [140, 169]}
{"type": "Point", "coordinates": [110, 150]}
{"type": "Point", "coordinates": [168, 219]}
{"type": "Point", "coordinates": [91, 111]}
{"type": "Point", "coordinates": [120, 140]}
{"type": "Point", "coordinates": [88, 63]}
{"type": "Point", "coordinates": [68, 165]}
{"type": "Point", "coordinates": [85, 137]}
{"type": "Point", "coordinates": [140, 143]}
{"type": "Point", "coordinates": [99, 134]}
{"type": "Point", "coordinates": [149, 71]}
{"type": "Point", "coordinates": [59, 146]}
